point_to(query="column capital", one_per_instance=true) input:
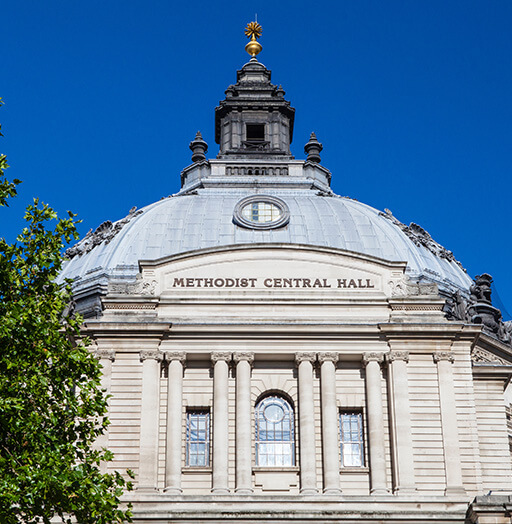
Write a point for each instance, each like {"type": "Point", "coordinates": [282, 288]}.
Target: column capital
{"type": "Point", "coordinates": [443, 355]}
{"type": "Point", "coordinates": [150, 354]}
{"type": "Point", "coordinates": [305, 357]}
{"type": "Point", "coordinates": [217, 356]}
{"type": "Point", "coordinates": [109, 354]}
{"type": "Point", "coordinates": [248, 356]}
{"type": "Point", "coordinates": [328, 356]}
{"type": "Point", "coordinates": [175, 355]}
{"type": "Point", "coordinates": [397, 355]}
{"type": "Point", "coordinates": [372, 356]}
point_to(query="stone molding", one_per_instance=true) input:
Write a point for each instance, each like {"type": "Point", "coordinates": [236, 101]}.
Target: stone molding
{"type": "Point", "coordinates": [109, 354]}
{"type": "Point", "coordinates": [372, 356]}
{"type": "Point", "coordinates": [328, 356]}
{"type": "Point", "coordinates": [147, 354]}
{"type": "Point", "coordinates": [481, 355]}
{"type": "Point", "coordinates": [397, 355]}
{"type": "Point", "coordinates": [305, 357]}
{"type": "Point", "coordinates": [218, 356]}
{"type": "Point", "coordinates": [443, 355]}
{"type": "Point", "coordinates": [175, 355]}
{"type": "Point", "coordinates": [248, 356]}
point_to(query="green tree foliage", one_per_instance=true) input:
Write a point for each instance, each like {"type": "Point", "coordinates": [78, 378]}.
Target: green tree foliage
{"type": "Point", "coordinates": [52, 407]}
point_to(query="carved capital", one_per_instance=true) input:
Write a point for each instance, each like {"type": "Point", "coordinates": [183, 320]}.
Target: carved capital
{"type": "Point", "coordinates": [397, 355]}
{"type": "Point", "coordinates": [443, 355]}
{"type": "Point", "coordinates": [175, 355]}
{"type": "Point", "coordinates": [224, 356]}
{"type": "Point", "coordinates": [305, 357]}
{"type": "Point", "coordinates": [372, 357]}
{"type": "Point", "coordinates": [328, 357]}
{"type": "Point", "coordinates": [108, 354]}
{"type": "Point", "coordinates": [243, 355]}
{"type": "Point", "coordinates": [148, 354]}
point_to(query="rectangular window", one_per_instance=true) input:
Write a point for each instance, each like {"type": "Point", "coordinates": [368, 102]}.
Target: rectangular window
{"type": "Point", "coordinates": [351, 439]}
{"type": "Point", "coordinates": [255, 132]}
{"type": "Point", "coordinates": [198, 438]}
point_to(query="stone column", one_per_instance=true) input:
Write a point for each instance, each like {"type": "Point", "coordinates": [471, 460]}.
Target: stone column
{"type": "Point", "coordinates": [106, 358]}
{"type": "Point", "coordinates": [378, 484]}
{"type": "Point", "coordinates": [220, 422]}
{"type": "Point", "coordinates": [148, 465]}
{"type": "Point", "coordinates": [176, 360]}
{"type": "Point", "coordinates": [306, 424]}
{"type": "Point", "coordinates": [243, 423]}
{"type": "Point", "coordinates": [444, 361]}
{"type": "Point", "coordinates": [330, 441]}
{"type": "Point", "coordinates": [400, 415]}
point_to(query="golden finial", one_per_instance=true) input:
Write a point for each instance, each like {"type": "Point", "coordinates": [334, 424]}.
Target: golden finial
{"type": "Point", "coordinates": [253, 31]}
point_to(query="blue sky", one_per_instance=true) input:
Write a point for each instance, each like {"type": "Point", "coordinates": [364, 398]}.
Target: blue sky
{"type": "Point", "coordinates": [411, 100]}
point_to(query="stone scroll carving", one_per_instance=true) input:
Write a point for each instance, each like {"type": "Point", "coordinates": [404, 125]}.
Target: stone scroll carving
{"type": "Point", "coordinates": [139, 287]}
{"type": "Point", "coordinates": [104, 233]}
{"type": "Point", "coordinates": [404, 286]}
{"type": "Point", "coordinates": [420, 237]}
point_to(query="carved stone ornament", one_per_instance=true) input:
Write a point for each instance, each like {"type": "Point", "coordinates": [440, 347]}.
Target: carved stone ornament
{"type": "Point", "coordinates": [420, 237]}
{"type": "Point", "coordinates": [478, 309]}
{"type": "Point", "coordinates": [404, 286]}
{"type": "Point", "coordinates": [243, 355]}
{"type": "Point", "coordinates": [372, 357]}
{"type": "Point", "coordinates": [397, 355]}
{"type": "Point", "coordinates": [305, 357]}
{"type": "Point", "coordinates": [218, 356]}
{"type": "Point", "coordinates": [148, 354]}
{"type": "Point", "coordinates": [139, 287]}
{"type": "Point", "coordinates": [109, 354]}
{"type": "Point", "coordinates": [328, 357]}
{"type": "Point", "coordinates": [104, 233]}
{"type": "Point", "coordinates": [175, 355]}
{"type": "Point", "coordinates": [443, 355]}
{"type": "Point", "coordinates": [481, 355]}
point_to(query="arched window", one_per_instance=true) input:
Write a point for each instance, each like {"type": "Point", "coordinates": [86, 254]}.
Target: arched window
{"type": "Point", "coordinates": [275, 438]}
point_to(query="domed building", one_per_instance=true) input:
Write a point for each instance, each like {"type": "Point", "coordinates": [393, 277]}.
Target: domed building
{"type": "Point", "coordinates": [276, 352]}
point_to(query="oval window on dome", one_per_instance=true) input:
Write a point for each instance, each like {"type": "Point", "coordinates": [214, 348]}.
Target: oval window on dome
{"type": "Point", "coordinates": [261, 212]}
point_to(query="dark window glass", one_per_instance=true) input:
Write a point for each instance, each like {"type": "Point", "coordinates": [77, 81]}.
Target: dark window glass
{"type": "Point", "coordinates": [255, 132]}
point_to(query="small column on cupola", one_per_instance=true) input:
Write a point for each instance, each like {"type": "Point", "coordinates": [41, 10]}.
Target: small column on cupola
{"type": "Point", "coordinates": [313, 149]}
{"type": "Point", "coordinates": [199, 148]}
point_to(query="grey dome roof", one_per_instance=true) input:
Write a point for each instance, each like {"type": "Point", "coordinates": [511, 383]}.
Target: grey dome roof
{"type": "Point", "coordinates": [189, 222]}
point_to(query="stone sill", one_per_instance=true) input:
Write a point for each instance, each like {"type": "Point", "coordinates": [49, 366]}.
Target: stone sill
{"type": "Point", "coordinates": [198, 469]}
{"type": "Point", "coordinates": [361, 469]}
{"type": "Point", "coordinates": [275, 469]}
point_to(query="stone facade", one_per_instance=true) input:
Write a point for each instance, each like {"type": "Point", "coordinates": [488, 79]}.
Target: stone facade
{"type": "Point", "coordinates": [266, 381]}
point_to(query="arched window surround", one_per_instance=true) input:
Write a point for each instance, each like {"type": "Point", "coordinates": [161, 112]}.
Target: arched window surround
{"type": "Point", "coordinates": [274, 424]}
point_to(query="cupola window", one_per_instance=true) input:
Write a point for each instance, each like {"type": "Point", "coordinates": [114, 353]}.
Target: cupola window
{"type": "Point", "coordinates": [255, 137]}
{"type": "Point", "coordinates": [261, 212]}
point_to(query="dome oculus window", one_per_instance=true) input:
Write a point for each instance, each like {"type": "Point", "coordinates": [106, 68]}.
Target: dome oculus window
{"type": "Point", "coordinates": [261, 212]}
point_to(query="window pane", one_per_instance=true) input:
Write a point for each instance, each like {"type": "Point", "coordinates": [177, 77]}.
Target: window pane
{"type": "Point", "coordinates": [351, 439]}
{"type": "Point", "coordinates": [275, 439]}
{"type": "Point", "coordinates": [198, 438]}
